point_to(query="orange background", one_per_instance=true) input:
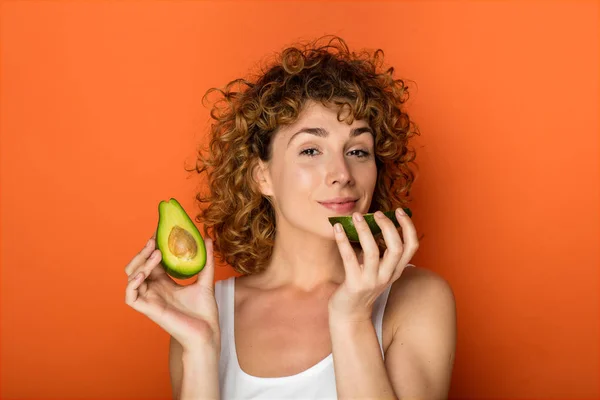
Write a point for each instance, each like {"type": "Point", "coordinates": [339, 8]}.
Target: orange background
{"type": "Point", "coordinates": [101, 112]}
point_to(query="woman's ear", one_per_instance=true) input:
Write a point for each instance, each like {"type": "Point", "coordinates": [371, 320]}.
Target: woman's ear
{"type": "Point", "coordinates": [260, 174]}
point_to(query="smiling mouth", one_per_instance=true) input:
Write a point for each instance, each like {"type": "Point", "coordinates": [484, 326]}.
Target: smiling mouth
{"type": "Point", "coordinates": [340, 207]}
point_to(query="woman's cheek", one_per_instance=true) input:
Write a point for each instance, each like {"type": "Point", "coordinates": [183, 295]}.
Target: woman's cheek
{"type": "Point", "coordinates": [305, 178]}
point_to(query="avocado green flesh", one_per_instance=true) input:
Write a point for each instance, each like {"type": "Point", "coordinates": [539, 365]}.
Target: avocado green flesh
{"type": "Point", "coordinates": [348, 223]}
{"type": "Point", "coordinates": [179, 241]}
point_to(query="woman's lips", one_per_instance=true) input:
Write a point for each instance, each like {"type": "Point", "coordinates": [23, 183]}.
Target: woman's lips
{"type": "Point", "coordinates": [340, 207]}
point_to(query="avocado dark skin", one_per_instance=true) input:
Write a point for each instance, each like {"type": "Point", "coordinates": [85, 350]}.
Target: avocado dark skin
{"type": "Point", "coordinates": [350, 229]}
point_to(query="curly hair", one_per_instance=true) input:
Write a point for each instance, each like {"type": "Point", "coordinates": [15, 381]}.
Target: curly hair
{"type": "Point", "coordinates": [247, 116]}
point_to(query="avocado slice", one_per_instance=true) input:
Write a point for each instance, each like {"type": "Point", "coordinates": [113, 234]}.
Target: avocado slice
{"type": "Point", "coordinates": [179, 241]}
{"type": "Point", "coordinates": [348, 223]}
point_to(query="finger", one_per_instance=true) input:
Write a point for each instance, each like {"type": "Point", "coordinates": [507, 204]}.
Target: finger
{"type": "Point", "coordinates": [394, 245]}
{"type": "Point", "coordinates": [398, 272]}
{"type": "Point", "coordinates": [369, 247]}
{"type": "Point", "coordinates": [207, 275]}
{"type": "Point", "coordinates": [409, 233]}
{"type": "Point", "coordinates": [158, 272]}
{"type": "Point", "coordinates": [133, 297]}
{"type": "Point", "coordinates": [141, 257]}
{"type": "Point", "coordinates": [148, 266]}
{"type": "Point", "coordinates": [143, 288]}
{"type": "Point", "coordinates": [131, 291]}
{"type": "Point", "coordinates": [351, 265]}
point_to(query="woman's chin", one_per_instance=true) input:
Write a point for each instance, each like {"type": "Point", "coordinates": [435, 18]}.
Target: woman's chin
{"type": "Point", "coordinates": [330, 235]}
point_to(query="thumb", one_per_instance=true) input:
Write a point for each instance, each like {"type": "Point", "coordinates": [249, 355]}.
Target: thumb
{"type": "Point", "coordinates": [207, 275]}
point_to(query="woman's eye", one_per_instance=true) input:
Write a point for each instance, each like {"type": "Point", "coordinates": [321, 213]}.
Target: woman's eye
{"type": "Point", "coordinates": [358, 153]}
{"type": "Point", "coordinates": [307, 151]}
{"type": "Point", "coordinates": [363, 153]}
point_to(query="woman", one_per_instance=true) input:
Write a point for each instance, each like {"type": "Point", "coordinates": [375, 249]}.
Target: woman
{"type": "Point", "coordinates": [321, 133]}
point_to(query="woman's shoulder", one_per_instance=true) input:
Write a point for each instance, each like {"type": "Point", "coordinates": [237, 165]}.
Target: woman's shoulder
{"type": "Point", "coordinates": [418, 289]}
{"type": "Point", "coordinates": [419, 281]}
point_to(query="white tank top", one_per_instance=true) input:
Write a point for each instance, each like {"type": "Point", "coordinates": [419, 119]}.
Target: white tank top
{"type": "Point", "coordinates": [316, 382]}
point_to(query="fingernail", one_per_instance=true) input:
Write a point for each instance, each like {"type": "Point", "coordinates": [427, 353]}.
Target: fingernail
{"type": "Point", "coordinates": [148, 243]}
{"type": "Point", "coordinates": [155, 254]}
{"type": "Point", "coordinates": [400, 211]}
{"type": "Point", "coordinates": [358, 217]}
{"type": "Point", "coordinates": [338, 228]}
{"type": "Point", "coordinates": [379, 214]}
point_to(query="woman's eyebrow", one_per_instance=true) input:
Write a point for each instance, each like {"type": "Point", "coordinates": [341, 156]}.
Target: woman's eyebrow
{"type": "Point", "coordinates": [324, 133]}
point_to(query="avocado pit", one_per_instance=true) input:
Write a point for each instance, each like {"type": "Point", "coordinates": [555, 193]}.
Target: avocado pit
{"type": "Point", "coordinates": [182, 244]}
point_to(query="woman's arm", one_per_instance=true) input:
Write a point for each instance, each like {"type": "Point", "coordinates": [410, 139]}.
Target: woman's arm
{"type": "Point", "coordinates": [418, 362]}
{"type": "Point", "coordinates": [359, 369]}
{"type": "Point", "coordinates": [194, 375]}
{"type": "Point", "coordinates": [420, 358]}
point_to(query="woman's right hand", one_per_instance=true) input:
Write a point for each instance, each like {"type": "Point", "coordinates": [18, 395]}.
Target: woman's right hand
{"type": "Point", "coordinates": [188, 313]}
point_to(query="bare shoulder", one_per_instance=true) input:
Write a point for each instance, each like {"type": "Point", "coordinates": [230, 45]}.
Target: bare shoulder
{"type": "Point", "coordinates": [419, 297]}
{"type": "Point", "coordinates": [420, 334]}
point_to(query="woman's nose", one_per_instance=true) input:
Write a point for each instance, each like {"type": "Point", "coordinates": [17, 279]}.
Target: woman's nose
{"type": "Point", "coordinates": [339, 172]}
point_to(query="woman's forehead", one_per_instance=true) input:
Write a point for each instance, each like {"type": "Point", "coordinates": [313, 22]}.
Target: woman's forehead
{"type": "Point", "coordinates": [316, 118]}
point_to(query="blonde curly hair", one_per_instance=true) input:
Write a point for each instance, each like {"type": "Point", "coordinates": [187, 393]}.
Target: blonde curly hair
{"type": "Point", "coordinates": [238, 217]}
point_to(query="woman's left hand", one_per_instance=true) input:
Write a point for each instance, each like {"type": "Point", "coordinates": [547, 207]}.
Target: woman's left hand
{"type": "Point", "coordinates": [368, 275]}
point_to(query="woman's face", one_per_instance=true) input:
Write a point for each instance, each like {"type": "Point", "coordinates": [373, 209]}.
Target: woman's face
{"type": "Point", "coordinates": [318, 160]}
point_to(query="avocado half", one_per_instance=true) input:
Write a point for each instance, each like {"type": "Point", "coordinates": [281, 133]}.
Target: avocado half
{"type": "Point", "coordinates": [179, 241]}
{"type": "Point", "coordinates": [348, 223]}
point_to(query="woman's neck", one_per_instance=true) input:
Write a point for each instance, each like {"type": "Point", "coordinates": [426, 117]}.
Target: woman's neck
{"type": "Point", "coordinates": [305, 263]}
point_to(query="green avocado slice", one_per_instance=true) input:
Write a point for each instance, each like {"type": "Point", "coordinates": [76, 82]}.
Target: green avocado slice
{"type": "Point", "coordinates": [348, 223]}
{"type": "Point", "coordinates": [179, 241]}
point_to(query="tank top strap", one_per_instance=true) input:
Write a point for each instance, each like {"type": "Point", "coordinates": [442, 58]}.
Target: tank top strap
{"type": "Point", "coordinates": [379, 311]}
{"type": "Point", "coordinates": [224, 299]}
{"type": "Point", "coordinates": [377, 316]}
